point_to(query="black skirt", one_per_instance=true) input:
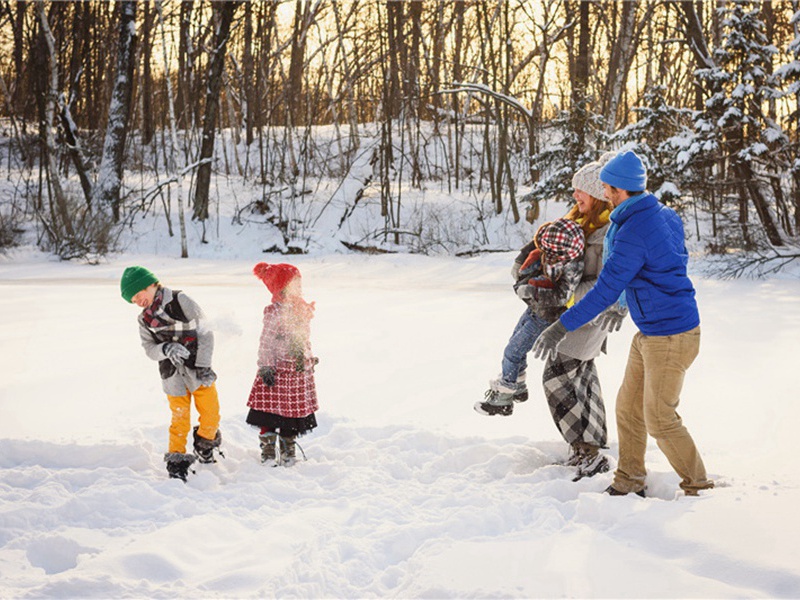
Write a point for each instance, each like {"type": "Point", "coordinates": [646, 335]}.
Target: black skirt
{"type": "Point", "coordinates": [286, 426]}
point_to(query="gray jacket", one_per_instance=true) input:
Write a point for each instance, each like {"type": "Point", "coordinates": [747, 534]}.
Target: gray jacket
{"type": "Point", "coordinates": [588, 341]}
{"type": "Point", "coordinates": [181, 322]}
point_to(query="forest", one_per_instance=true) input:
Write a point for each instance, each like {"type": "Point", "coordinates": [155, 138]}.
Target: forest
{"type": "Point", "coordinates": [110, 111]}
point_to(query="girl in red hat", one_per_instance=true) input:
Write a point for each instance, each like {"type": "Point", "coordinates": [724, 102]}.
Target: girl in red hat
{"type": "Point", "coordinates": [283, 398]}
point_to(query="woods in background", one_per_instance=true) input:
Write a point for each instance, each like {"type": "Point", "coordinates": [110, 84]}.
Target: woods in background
{"type": "Point", "coordinates": [490, 99]}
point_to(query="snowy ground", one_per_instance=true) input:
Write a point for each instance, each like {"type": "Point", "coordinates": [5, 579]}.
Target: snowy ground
{"type": "Point", "coordinates": [407, 493]}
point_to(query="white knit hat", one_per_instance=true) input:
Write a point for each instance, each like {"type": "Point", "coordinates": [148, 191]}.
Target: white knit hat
{"type": "Point", "coordinates": [587, 178]}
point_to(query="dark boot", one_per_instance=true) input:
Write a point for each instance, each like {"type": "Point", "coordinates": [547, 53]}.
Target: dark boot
{"type": "Point", "coordinates": [588, 460]}
{"type": "Point", "coordinates": [288, 449]}
{"type": "Point", "coordinates": [612, 491]}
{"type": "Point", "coordinates": [267, 442]}
{"type": "Point", "coordinates": [204, 448]}
{"type": "Point", "coordinates": [178, 465]}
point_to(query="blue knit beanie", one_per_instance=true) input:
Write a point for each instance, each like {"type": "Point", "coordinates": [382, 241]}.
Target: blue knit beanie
{"type": "Point", "coordinates": [625, 172]}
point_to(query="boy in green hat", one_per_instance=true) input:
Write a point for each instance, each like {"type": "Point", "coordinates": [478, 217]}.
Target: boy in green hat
{"type": "Point", "coordinates": [173, 332]}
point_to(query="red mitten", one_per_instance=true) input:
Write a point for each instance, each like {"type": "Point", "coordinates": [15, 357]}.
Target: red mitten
{"type": "Point", "coordinates": [541, 282]}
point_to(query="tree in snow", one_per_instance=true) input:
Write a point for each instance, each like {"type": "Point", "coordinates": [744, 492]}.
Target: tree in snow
{"type": "Point", "coordinates": [572, 139]}
{"type": "Point", "coordinates": [109, 177]}
{"type": "Point", "coordinates": [658, 135]}
{"type": "Point", "coordinates": [225, 12]}
{"type": "Point", "coordinates": [734, 132]}
{"type": "Point", "coordinates": [789, 75]}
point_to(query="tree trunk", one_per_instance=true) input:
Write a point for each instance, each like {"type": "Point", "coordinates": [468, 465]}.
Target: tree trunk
{"type": "Point", "coordinates": [580, 83]}
{"type": "Point", "coordinates": [18, 52]}
{"type": "Point", "coordinates": [183, 106]}
{"type": "Point", "coordinates": [172, 166]}
{"type": "Point", "coordinates": [744, 173]}
{"type": "Point", "coordinates": [109, 178]}
{"type": "Point", "coordinates": [294, 99]}
{"type": "Point", "coordinates": [148, 122]}
{"type": "Point", "coordinates": [248, 97]}
{"type": "Point", "coordinates": [48, 124]}
{"type": "Point", "coordinates": [622, 53]}
{"type": "Point", "coordinates": [225, 11]}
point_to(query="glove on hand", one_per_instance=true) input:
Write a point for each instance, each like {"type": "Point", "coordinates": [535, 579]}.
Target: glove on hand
{"type": "Point", "coordinates": [176, 353]}
{"type": "Point", "coordinates": [206, 376]}
{"type": "Point", "coordinates": [547, 343]}
{"type": "Point", "coordinates": [526, 292]}
{"type": "Point", "coordinates": [267, 375]}
{"type": "Point", "coordinates": [611, 319]}
{"type": "Point", "coordinates": [542, 282]}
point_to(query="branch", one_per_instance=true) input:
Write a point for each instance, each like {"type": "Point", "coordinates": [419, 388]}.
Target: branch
{"type": "Point", "coordinates": [483, 89]}
{"type": "Point", "coordinates": [157, 187]}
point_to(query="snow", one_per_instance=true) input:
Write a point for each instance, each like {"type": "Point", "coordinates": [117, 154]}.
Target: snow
{"type": "Point", "coordinates": [407, 492]}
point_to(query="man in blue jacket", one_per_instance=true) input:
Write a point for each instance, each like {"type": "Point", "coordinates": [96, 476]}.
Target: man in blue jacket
{"type": "Point", "coordinates": [645, 267]}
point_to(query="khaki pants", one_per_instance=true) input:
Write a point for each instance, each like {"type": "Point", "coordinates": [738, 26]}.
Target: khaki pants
{"type": "Point", "coordinates": [647, 403]}
{"type": "Point", "coordinates": [207, 403]}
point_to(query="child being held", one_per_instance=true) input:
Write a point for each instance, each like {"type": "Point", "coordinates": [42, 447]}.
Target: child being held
{"type": "Point", "coordinates": [283, 398]}
{"type": "Point", "coordinates": [552, 267]}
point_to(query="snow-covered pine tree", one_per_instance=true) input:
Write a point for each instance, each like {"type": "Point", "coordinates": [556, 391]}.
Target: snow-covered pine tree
{"type": "Point", "coordinates": [572, 139]}
{"type": "Point", "coordinates": [789, 75]}
{"type": "Point", "coordinates": [733, 131]}
{"type": "Point", "coordinates": [659, 135]}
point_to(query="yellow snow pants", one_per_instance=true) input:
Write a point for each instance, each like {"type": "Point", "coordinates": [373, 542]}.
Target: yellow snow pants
{"type": "Point", "coordinates": [207, 403]}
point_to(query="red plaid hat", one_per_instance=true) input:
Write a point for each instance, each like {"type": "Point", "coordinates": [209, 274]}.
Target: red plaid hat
{"type": "Point", "coordinates": [561, 241]}
{"type": "Point", "coordinates": [276, 277]}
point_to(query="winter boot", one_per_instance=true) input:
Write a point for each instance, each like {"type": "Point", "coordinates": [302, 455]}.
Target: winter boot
{"type": "Point", "coordinates": [267, 442]}
{"type": "Point", "coordinates": [204, 448]}
{"type": "Point", "coordinates": [612, 491]}
{"type": "Point", "coordinates": [521, 391]}
{"type": "Point", "coordinates": [288, 450]}
{"type": "Point", "coordinates": [499, 400]}
{"type": "Point", "coordinates": [591, 466]}
{"type": "Point", "coordinates": [588, 460]}
{"type": "Point", "coordinates": [178, 465]}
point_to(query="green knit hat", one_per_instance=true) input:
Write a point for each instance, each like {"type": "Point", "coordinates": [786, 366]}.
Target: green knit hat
{"type": "Point", "coordinates": [134, 280]}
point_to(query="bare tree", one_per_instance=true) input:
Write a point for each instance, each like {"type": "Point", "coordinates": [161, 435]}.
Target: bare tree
{"type": "Point", "coordinates": [109, 178]}
{"type": "Point", "coordinates": [225, 12]}
{"type": "Point", "coordinates": [48, 124]}
{"type": "Point", "coordinates": [623, 51]}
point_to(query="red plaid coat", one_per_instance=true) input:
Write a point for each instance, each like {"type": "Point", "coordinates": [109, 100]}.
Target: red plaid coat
{"type": "Point", "coordinates": [285, 346]}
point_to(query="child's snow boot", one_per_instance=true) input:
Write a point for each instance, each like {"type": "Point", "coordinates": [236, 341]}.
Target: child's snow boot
{"type": "Point", "coordinates": [499, 400]}
{"type": "Point", "coordinates": [267, 442]}
{"type": "Point", "coordinates": [178, 465]}
{"type": "Point", "coordinates": [288, 449]}
{"type": "Point", "coordinates": [204, 448]}
{"type": "Point", "coordinates": [521, 390]}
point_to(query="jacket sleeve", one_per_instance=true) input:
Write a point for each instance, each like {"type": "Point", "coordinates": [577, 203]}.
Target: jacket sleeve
{"type": "Point", "coordinates": [619, 270]}
{"type": "Point", "coordinates": [270, 344]}
{"type": "Point", "coordinates": [153, 349]}
{"type": "Point", "coordinates": [525, 251]}
{"type": "Point", "coordinates": [205, 337]}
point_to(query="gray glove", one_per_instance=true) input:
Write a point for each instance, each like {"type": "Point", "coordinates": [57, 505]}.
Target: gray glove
{"type": "Point", "coordinates": [526, 292]}
{"type": "Point", "coordinates": [611, 319]}
{"type": "Point", "coordinates": [176, 353]}
{"type": "Point", "coordinates": [206, 376]}
{"type": "Point", "coordinates": [547, 343]}
{"type": "Point", "coordinates": [515, 270]}
{"type": "Point", "coordinates": [267, 375]}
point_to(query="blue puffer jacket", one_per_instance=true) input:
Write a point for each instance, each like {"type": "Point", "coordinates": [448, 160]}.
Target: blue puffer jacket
{"type": "Point", "coordinates": [648, 261]}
